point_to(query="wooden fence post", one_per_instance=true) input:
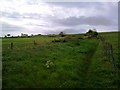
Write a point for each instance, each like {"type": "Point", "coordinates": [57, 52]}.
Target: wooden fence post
{"type": "Point", "coordinates": [34, 42]}
{"type": "Point", "coordinates": [108, 51]}
{"type": "Point", "coordinates": [11, 45]}
{"type": "Point", "coordinates": [112, 56]}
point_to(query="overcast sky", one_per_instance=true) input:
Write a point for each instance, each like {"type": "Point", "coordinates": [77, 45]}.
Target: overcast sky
{"type": "Point", "coordinates": [35, 17]}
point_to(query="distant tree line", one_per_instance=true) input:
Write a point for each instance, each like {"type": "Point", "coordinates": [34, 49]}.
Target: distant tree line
{"type": "Point", "coordinates": [90, 33]}
{"type": "Point", "coordinates": [22, 35]}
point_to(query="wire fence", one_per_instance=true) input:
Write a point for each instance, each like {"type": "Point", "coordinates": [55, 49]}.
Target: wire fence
{"type": "Point", "coordinates": [108, 49]}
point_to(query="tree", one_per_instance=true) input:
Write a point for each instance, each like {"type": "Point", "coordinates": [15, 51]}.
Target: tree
{"type": "Point", "coordinates": [62, 34]}
{"type": "Point", "coordinates": [92, 33]}
{"type": "Point", "coordinates": [24, 35]}
{"type": "Point", "coordinates": [95, 33]}
{"type": "Point", "coordinates": [5, 36]}
{"type": "Point", "coordinates": [8, 35]}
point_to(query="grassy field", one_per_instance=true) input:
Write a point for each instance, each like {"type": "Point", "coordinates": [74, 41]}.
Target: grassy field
{"type": "Point", "coordinates": [74, 63]}
{"type": "Point", "coordinates": [113, 38]}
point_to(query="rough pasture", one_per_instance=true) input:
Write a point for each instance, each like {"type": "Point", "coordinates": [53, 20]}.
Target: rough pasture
{"type": "Point", "coordinates": [76, 63]}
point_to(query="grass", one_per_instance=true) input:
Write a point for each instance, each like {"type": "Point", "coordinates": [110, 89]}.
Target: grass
{"type": "Point", "coordinates": [101, 73]}
{"type": "Point", "coordinates": [112, 38]}
{"type": "Point", "coordinates": [78, 63]}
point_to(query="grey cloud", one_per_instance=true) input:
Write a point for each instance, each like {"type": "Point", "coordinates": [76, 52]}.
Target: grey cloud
{"type": "Point", "coordinates": [51, 32]}
{"type": "Point", "coordinates": [7, 28]}
{"type": "Point", "coordinates": [32, 15]}
{"type": "Point", "coordinates": [11, 15]}
{"type": "Point", "coordinates": [97, 5]}
{"type": "Point", "coordinates": [20, 16]}
{"type": "Point", "coordinates": [113, 11]}
{"type": "Point", "coordinates": [67, 31]}
{"type": "Point", "coordinates": [72, 31]}
{"type": "Point", "coordinates": [107, 19]}
{"type": "Point", "coordinates": [73, 21]}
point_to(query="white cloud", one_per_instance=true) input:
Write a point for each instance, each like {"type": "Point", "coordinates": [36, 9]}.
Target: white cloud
{"type": "Point", "coordinates": [40, 17]}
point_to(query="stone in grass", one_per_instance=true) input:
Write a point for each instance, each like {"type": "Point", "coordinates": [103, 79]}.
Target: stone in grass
{"type": "Point", "coordinates": [49, 64]}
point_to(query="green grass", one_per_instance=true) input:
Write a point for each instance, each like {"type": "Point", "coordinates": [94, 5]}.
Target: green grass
{"type": "Point", "coordinates": [77, 63]}
{"type": "Point", "coordinates": [101, 73]}
{"type": "Point", "coordinates": [112, 38]}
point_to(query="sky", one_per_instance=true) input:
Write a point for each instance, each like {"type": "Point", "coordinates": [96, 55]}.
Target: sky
{"type": "Point", "coordinates": [37, 17]}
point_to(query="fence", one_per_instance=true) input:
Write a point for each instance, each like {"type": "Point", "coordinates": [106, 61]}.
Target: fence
{"type": "Point", "coordinates": [108, 51]}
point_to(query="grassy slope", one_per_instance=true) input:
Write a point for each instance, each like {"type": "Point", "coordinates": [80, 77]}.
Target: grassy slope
{"type": "Point", "coordinates": [79, 63]}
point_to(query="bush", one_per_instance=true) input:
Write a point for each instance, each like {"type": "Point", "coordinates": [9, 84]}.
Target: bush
{"type": "Point", "coordinates": [62, 34]}
{"type": "Point", "coordinates": [91, 33]}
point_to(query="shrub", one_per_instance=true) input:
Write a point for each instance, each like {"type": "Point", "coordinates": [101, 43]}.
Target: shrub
{"type": "Point", "coordinates": [91, 33]}
{"type": "Point", "coordinates": [61, 34]}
